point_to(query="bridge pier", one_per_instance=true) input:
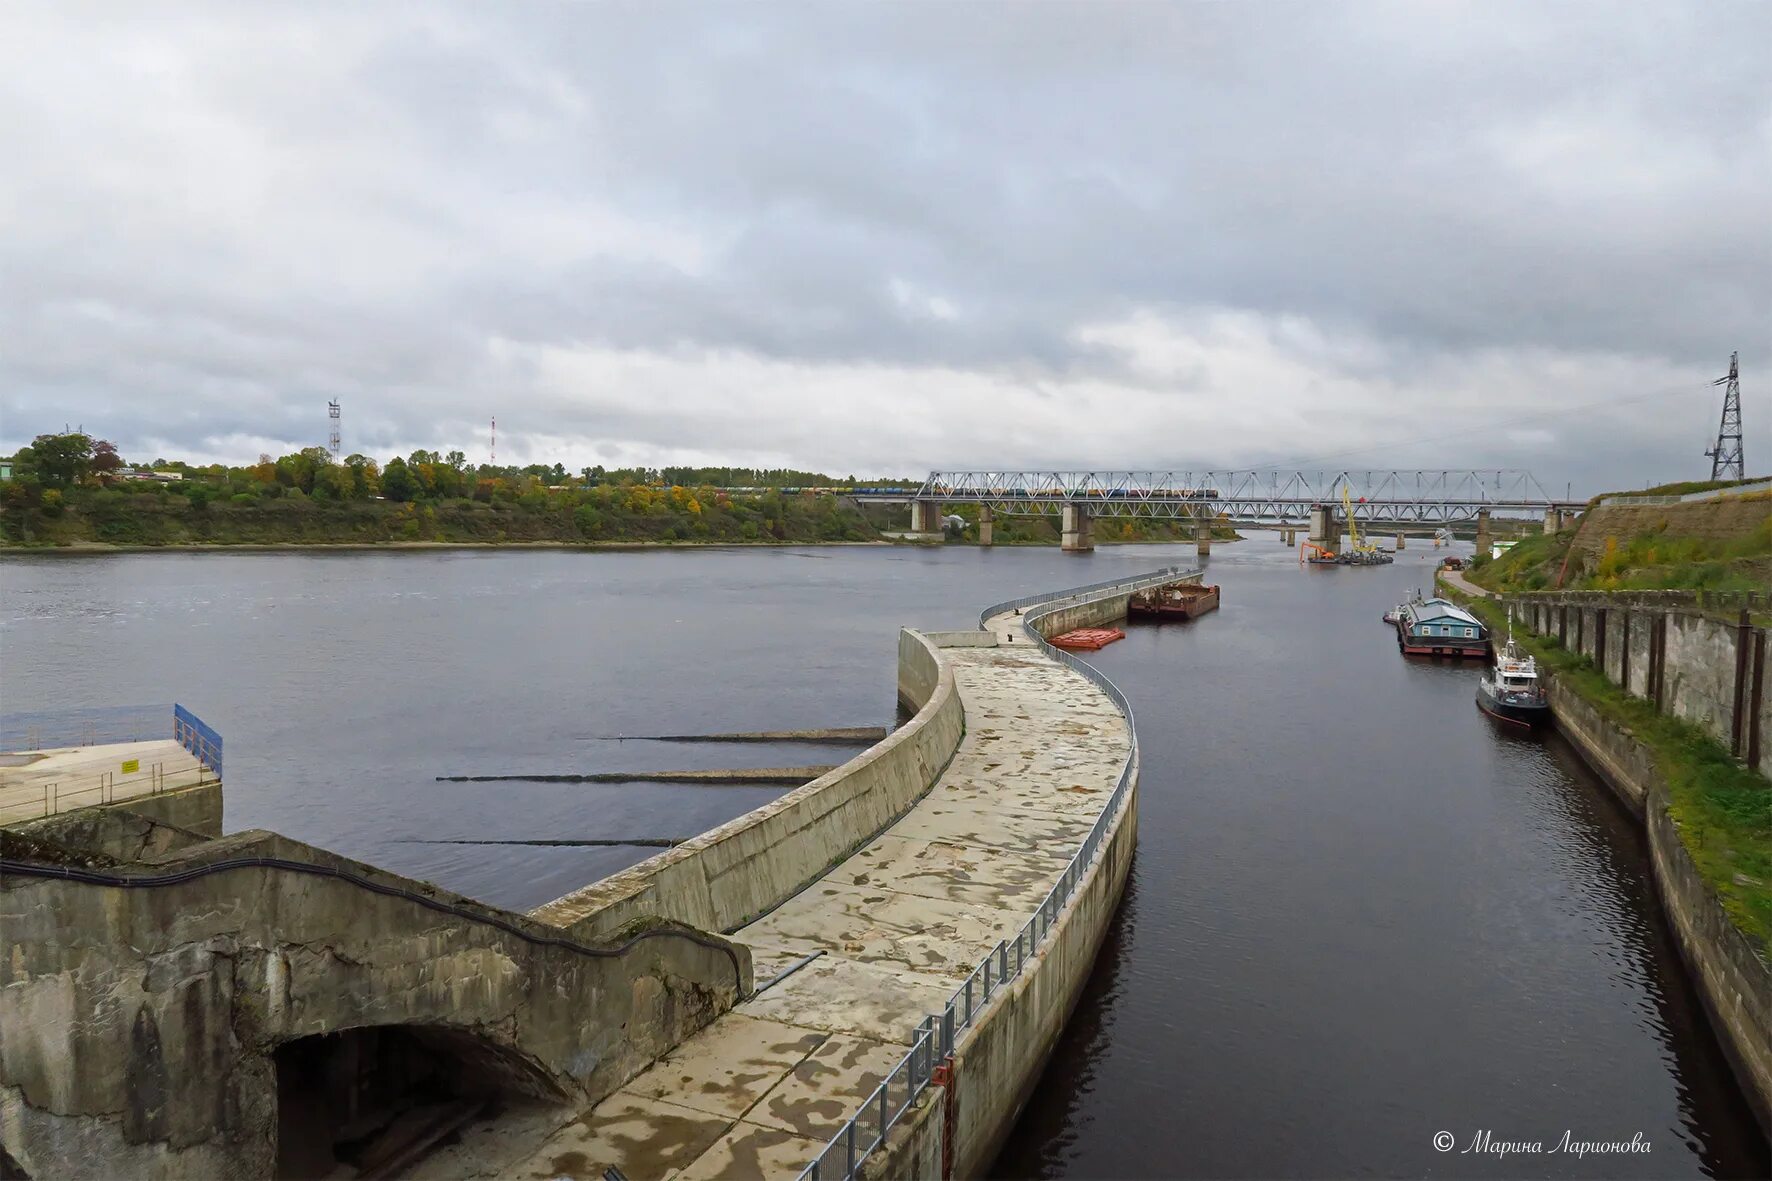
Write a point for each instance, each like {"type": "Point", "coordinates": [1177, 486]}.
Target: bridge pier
{"type": "Point", "coordinates": [1077, 530]}
{"type": "Point", "coordinates": [1325, 527]}
{"type": "Point", "coordinates": [1203, 536]}
{"type": "Point", "coordinates": [1483, 537]}
{"type": "Point", "coordinates": [926, 518]}
{"type": "Point", "coordinates": [1553, 520]}
{"type": "Point", "coordinates": [1399, 543]}
{"type": "Point", "coordinates": [987, 525]}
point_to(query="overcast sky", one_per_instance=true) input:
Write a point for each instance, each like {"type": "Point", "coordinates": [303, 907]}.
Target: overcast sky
{"type": "Point", "coordinates": [889, 237]}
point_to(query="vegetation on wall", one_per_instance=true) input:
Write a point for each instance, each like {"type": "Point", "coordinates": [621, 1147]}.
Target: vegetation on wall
{"type": "Point", "coordinates": [1724, 810]}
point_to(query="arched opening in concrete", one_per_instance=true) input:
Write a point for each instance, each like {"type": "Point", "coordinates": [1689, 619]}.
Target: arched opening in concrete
{"type": "Point", "coordinates": [11, 1170]}
{"type": "Point", "coordinates": [380, 1098]}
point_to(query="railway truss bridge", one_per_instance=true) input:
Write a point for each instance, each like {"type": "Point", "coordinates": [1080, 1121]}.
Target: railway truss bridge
{"type": "Point", "coordinates": [1282, 499]}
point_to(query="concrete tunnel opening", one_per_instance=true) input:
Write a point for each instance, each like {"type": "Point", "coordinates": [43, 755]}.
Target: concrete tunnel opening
{"type": "Point", "coordinates": [370, 1102]}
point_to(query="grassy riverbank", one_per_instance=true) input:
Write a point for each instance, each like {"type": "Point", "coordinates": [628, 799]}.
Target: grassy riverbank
{"type": "Point", "coordinates": [1724, 810]}
{"type": "Point", "coordinates": [1723, 545]}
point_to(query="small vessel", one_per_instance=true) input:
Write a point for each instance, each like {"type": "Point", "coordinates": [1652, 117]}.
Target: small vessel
{"type": "Point", "coordinates": [1186, 601]}
{"type": "Point", "coordinates": [1438, 627]}
{"type": "Point", "coordinates": [1396, 613]}
{"type": "Point", "coordinates": [1510, 690]}
{"type": "Point", "coordinates": [1087, 639]}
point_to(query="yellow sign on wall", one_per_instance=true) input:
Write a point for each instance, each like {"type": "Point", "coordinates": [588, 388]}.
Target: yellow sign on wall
{"type": "Point", "coordinates": [131, 766]}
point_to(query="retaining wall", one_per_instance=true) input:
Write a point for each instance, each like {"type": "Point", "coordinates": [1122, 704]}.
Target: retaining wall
{"type": "Point", "coordinates": [734, 874]}
{"type": "Point", "coordinates": [1733, 977]}
{"type": "Point", "coordinates": [1685, 655]}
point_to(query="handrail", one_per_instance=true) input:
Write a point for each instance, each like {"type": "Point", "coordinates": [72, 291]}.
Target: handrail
{"type": "Point", "coordinates": [935, 1037]}
{"type": "Point", "coordinates": [99, 877]}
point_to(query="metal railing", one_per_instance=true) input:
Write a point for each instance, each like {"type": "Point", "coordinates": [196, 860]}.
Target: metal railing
{"type": "Point", "coordinates": [78, 729]}
{"type": "Point", "coordinates": [934, 1038]}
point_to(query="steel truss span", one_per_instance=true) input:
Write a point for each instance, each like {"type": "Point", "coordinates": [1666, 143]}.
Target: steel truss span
{"type": "Point", "coordinates": [1418, 496]}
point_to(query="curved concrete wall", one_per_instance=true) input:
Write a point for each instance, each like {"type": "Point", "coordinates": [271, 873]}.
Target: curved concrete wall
{"type": "Point", "coordinates": [998, 1060]}
{"type": "Point", "coordinates": [731, 875]}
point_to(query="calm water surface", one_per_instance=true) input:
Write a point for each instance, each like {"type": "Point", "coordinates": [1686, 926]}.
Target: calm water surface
{"type": "Point", "coordinates": [1359, 913]}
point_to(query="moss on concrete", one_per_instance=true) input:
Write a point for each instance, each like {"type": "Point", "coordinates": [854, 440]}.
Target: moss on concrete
{"type": "Point", "coordinates": [1724, 810]}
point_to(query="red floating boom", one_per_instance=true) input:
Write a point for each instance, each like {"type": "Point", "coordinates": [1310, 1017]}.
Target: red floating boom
{"type": "Point", "coordinates": [1088, 638]}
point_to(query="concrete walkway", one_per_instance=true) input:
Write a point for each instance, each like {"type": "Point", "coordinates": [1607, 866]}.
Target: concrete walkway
{"type": "Point", "coordinates": [43, 782]}
{"type": "Point", "coordinates": [1458, 582]}
{"type": "Point", "coordinates": [898, 926]}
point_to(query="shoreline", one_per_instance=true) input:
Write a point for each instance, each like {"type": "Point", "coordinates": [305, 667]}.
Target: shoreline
{"type": "Point", "coordinates": [101, 549]}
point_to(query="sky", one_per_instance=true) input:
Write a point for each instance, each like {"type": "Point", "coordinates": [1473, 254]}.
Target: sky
{"type": "Point", "coordinates": [884, 238]}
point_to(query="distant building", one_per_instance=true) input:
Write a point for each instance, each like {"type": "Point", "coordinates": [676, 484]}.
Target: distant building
{"type": "Point", "coordinates": [5, 469]}
{"type": "Point", "coordinates": [156, 477]}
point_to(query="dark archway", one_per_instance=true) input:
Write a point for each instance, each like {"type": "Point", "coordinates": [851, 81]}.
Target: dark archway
{"type": "Point", "coordinates": [11, 1170]}
{"type": "Point", "coordinates": [379, 1098]}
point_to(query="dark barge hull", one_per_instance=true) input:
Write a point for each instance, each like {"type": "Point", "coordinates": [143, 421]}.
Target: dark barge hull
{"type": "Point", "coordinates": [1457, 647]}
{"type": "Point", "coordinates": [1529, 716]}
{"type": "Point", "coordinates": [1195, 603]}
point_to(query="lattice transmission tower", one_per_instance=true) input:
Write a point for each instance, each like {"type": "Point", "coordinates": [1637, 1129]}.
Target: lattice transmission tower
{"type": "Point", "coordinates": [1725, 458]}
{"type": "Point", "coordinates": [332, 439]}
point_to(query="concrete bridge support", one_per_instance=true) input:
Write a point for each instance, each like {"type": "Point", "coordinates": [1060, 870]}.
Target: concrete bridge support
{"type": "Point", "coordinates": [1077, 530]}
{"type": "Point", "coordinates": [1325, 527]}
{"type": "Point", "coordinates": [1553, 520]}
{"type": "Point", "coordinates": [1483, 535]}
{"type": "Point", "coordinates": [987, 525]}
{"type": "Point", "coordinates": [1203, 536]}
{"type": "Point", "coordinates": [1399, 543]}
{"type": "Point", "coordinates": [926, 517]}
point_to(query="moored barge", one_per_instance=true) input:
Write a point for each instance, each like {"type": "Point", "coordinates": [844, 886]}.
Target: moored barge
{"type": "Point", "coordinates": [1437, 627]}
{"type": "Point", "coordinates": [1185, 601]}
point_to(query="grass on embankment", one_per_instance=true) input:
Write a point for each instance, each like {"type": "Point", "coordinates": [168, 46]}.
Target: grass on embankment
{"type": "Point", "coordinates": [1657, 558]}
{"type": "Point", "coordinates": [1724, 810]}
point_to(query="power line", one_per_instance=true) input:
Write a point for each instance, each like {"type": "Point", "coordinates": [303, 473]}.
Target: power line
{"type": "Point", "coordinates": [1461, 432]}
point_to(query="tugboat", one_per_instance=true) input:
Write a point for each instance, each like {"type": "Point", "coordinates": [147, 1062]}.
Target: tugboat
{"type": "Point", "coordinates": [1510, 690]}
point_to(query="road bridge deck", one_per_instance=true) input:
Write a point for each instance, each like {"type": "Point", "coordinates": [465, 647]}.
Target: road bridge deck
{"type": "Point", "coordinates": [896, 928]}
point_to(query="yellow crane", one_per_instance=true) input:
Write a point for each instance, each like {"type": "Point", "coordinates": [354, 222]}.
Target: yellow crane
{"type": "Point", "coordinates": [1353, 527]}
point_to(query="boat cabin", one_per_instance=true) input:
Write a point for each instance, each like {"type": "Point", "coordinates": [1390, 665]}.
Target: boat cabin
{"type": "Point", "coordinates": [1439, 618]}
{"type": "Point", "coordinates": [1437, 627]}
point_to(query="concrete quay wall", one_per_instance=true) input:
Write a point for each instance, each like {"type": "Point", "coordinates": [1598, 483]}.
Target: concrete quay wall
{"type": "Point", "coordinates": [733, 874]}
{"type": "Point", "coordinates": [957, 1130]}
{"type": "Point", "coordinates": [1733, 976]}
{"type": "Point", "coordinates": [1674, 650]}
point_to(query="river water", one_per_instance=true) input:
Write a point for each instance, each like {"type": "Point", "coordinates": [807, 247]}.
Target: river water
{"type": "Point", "coordinates": [1360, 914]}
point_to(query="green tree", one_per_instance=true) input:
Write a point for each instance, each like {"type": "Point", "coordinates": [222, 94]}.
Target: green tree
{"type": "Point", "coordinates": [62, 460]}
{"type": "Point", "coordinates": [398, 482]}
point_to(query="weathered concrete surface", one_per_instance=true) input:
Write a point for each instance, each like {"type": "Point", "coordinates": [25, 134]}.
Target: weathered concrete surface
{"type": "Point", "coordinates": [1732, 974]}
{"type": "Point", "coordinates": [897, 925]}
{"type": "Point", "coordinates": [138, 1025]}
{"type": "Point", "coordinates": [64, 778]}
{"type": "Point", "coordinates": [730, 875]}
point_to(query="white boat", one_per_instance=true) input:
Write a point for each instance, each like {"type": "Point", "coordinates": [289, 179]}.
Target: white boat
{"type": "Point", "coordinates": [1510, 689]}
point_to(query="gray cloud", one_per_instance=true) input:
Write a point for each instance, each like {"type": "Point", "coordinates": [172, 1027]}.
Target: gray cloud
{"type": "Point", "coordinates": [887, 237]}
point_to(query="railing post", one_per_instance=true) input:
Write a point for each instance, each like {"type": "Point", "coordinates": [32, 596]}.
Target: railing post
{"type": "Point", "coordinates": [849, 1137]}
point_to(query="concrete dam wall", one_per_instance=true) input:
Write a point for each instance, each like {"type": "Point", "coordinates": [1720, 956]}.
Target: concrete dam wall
{"type": "Point", "coordinates": [179, 1003]}
{"type": "Point", "coordinates": [169, 998]}
{"type": "Point", "coordinates": [733, 874]}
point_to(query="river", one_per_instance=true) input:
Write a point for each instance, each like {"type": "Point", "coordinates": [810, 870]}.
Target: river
{"type": "Point", "coordinates": [1360, 914]}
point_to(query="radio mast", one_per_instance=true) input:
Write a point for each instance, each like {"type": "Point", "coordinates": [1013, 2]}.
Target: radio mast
{"type": "Point", "coordinates": [1726, 462]}
{"type": "Point", "coordinates": [332, 440]}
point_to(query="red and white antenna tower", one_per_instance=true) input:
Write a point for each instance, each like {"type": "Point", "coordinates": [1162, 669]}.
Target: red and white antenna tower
{"type": "Point", "coordinates": [492, 452]}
